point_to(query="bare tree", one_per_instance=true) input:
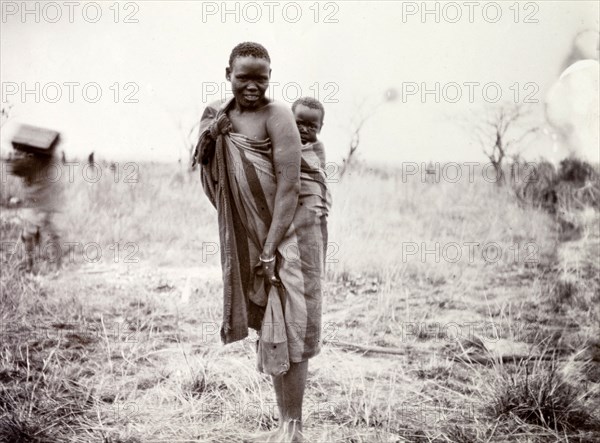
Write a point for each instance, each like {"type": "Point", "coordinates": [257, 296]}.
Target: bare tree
{"type": "Point", "coordinates": [359, 121]}
{"type": "Point", "coordinates": [501, 133]}
{"type": "Point", "coordinates": [185, 122]}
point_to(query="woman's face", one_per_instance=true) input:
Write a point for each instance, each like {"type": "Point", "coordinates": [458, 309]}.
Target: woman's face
{"type": "Point", "coordinates": [249, 77]}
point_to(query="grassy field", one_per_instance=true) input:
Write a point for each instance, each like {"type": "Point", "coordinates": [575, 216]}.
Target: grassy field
{"type": "Point", "coordinates": [452, 314]}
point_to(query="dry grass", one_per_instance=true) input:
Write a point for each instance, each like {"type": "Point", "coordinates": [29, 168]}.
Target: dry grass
{"type": "Point", "coordinates": [128, 352]}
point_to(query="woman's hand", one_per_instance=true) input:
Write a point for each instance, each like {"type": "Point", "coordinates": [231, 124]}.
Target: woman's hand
{"type": "Point", "coordinates": [220, 126]}
{"type": "Point", "coordinates": [268, 267]}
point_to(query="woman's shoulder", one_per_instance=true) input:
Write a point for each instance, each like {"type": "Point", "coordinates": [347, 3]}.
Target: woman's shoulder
{"type": "Point", "coordinates": [277, 107]}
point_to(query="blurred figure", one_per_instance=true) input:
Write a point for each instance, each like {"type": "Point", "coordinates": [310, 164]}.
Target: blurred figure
{"type": "Point", "coordinates": [34, 163]}
{"type": "Point", "coordinates": [572, 106]}
{"type": "Point", "coordinates": [586, 46]}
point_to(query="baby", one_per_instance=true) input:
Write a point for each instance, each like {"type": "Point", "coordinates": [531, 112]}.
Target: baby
{"type": "Point", "coordinates": [309, 114]}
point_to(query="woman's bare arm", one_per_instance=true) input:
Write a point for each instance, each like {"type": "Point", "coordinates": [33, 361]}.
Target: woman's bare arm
{"type": "Point", "coordinates": [284, 136]}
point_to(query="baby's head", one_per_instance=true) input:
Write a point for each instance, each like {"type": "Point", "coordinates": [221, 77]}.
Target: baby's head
{"type": "Point", "coordinates": [309, 114]}
{"type": "Point", "coordinates": [249, 72]}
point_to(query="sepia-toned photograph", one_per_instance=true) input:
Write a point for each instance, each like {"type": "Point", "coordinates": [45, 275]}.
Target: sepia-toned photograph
{"type": "Point", "coordinates": [299, 222]}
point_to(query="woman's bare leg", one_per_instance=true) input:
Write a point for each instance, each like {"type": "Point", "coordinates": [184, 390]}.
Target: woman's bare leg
{"type": "Point", "coordinates": [277, 434]}
{"type": "Point", "coordinates": [280, 396]}
{"type": "Point", "coordinates": [294, 383]}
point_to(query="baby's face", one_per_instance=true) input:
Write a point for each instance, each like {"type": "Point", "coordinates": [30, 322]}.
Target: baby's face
{"type": "Point", "coordinates": [308, 121]}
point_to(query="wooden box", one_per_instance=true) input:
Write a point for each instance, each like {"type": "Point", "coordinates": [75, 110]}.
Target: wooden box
{"type": "Point", "coordinates": [35, 140]}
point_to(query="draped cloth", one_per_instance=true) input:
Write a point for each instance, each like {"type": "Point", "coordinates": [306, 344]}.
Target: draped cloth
{"type": "Point", "coordinates": [239, 180]}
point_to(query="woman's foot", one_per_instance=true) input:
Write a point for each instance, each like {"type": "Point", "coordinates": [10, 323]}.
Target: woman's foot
{"type": "Point", "coordinates": [292, 432]}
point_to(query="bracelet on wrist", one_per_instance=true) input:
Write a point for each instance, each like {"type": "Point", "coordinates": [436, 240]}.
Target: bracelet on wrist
{"type": "Point", "coordinates": [266, 260]}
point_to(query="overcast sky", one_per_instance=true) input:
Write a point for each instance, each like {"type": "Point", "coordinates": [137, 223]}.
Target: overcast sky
{"type": "Point", "coordinates": [170, 57]}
